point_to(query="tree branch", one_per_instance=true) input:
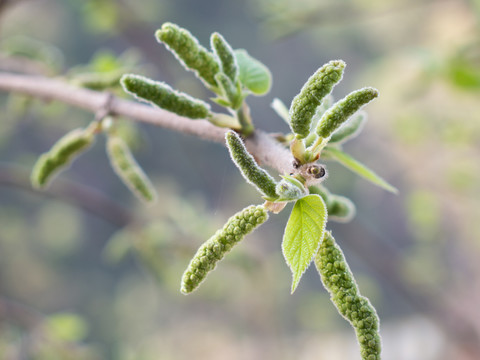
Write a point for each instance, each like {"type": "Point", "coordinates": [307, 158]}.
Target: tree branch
{"type": "Point", "coordinates": [262, 146]}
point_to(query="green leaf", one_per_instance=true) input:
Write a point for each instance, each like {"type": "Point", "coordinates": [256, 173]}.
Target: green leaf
{"type": "Point", "coordinates": [253, 74]}
{"type": "Point", "coordinates": [357, 167]}
{"type": "Point", "coordinates": [303, 234]}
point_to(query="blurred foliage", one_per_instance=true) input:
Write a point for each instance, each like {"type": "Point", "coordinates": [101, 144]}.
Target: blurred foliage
{"type": "Point", "coordinates": [463, 69]}
{"type": "Point", "coordinates": [104, 70]}
{"type": "Point", "coordinates": [26, 47]}
{"type": "Point", "coordinates": [108, 16]}
{"type": "Point", "coordinates": [119, 298]}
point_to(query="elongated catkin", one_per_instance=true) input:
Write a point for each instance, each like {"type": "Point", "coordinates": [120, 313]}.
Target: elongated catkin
{"type": "Point", "coordinates": [357, 309]}
{"type": "Point", "coordinates": [343, 109]}
{"type": "Point", "coordinates": [63, 152]}
{"type": "Point", "coordinates": [250, 170]}
{"type": "Point", "coordinates": [189, 52]}
{"type": "Point", "coordinates": [162, 95]}
{"type": "Point", "coordinates": [225, 55]}
{"type": "Point", "coordinates": [128, 170]}
{"type": "Point", "coordinates": [305, 104]}
{"type": "Point", "coordinates": [215, 248]}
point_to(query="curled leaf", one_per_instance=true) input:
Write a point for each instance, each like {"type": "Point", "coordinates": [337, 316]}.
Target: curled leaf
{"type": "Point", "coordinates": [289, 189]}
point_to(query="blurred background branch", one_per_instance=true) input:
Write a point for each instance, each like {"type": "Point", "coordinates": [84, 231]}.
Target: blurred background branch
{"type": "Point", "coordinates": [78, 195]}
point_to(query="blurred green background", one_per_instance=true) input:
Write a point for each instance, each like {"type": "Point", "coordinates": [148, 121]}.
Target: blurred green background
{"type": "Point", "coordinates": [87, 272]}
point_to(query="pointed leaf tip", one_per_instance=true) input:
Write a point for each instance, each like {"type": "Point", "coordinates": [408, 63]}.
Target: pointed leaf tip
{"type": "Point", "coordinates": [357, 167]}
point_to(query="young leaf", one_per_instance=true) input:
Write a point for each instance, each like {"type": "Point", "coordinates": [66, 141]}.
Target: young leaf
{"type": "Point", "coordinates": [303, 234]}
{"type": "Point", "coordinates": [253, 74]}
{"type": "Point", "coordinates": [357, 309]}
{"type": "Point", "coordinates": [357, 167]}
{"type": "Point", "coordinates": [289, 189]}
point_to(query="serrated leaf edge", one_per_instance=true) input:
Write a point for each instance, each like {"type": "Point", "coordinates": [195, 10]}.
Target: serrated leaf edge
{"type": "Point", "coordinates": [296, 279]}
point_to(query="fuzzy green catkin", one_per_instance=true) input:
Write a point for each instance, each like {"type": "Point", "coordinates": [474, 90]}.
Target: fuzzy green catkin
{"type": "Point", "coordinates": [350, 129]}
{"type": "Point", "coordinates": [189, 52]}
{"type": "Point", "coordinates": [343, 109]}
{"type": "Point", "coordinates": [215, 248]}
{"type": "Point", "coordinates": [250, 170]}
{"type": "Point", "coordinates": [318, 86]}
{"type": "Point", "coordinates": [162, 95]}
{"type": "Point", "coordinates": [60, 155]}
{"type": "Point", "coordinates": [225, 55]}
{"type": "Point", "coordinates": [357, 309]}
{"type": "Point", "coordinates": [128, 170]}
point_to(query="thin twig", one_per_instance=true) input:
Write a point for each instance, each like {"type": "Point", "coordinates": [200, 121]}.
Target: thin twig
{"type": "Point", "coordinates": [263, 147]}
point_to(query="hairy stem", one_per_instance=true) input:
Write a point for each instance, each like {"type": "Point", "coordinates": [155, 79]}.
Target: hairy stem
{"type": "Point", "coordinates": [243, 116]}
